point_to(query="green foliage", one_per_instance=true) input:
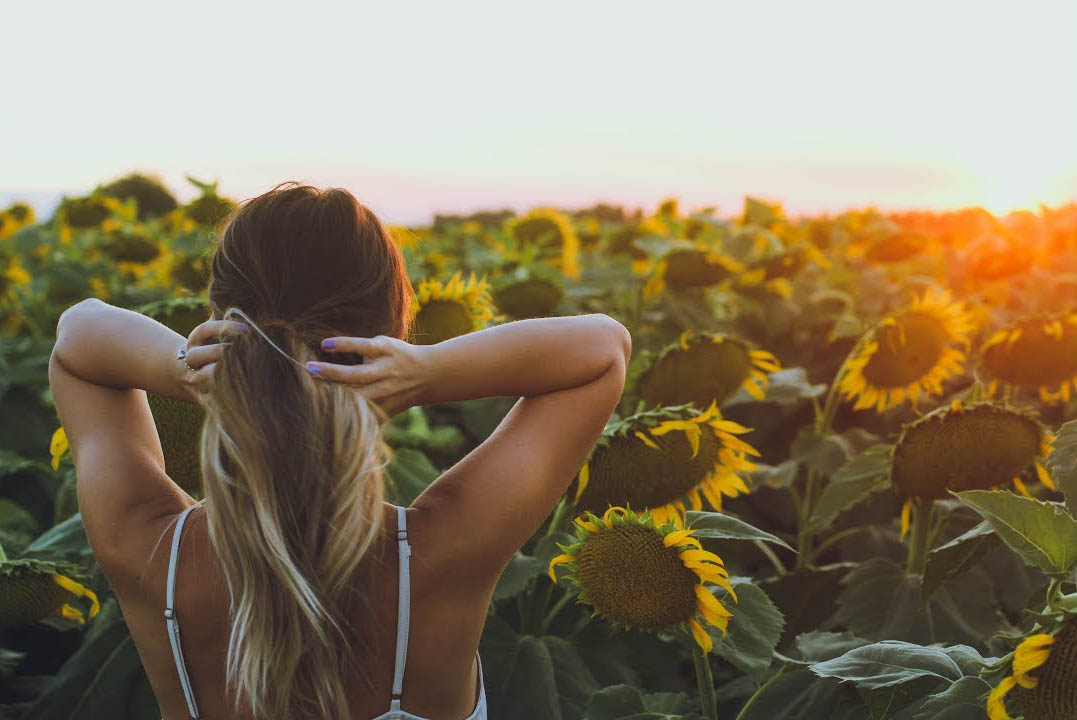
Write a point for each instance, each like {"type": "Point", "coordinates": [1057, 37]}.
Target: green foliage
{"type": "Point", "coordinates": [834, 618]}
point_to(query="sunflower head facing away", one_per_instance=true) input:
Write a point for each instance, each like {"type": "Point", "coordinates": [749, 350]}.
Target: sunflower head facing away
{"type": "Point", "coordinates": [31, 590]}
{"type": "Point", "coordinates": [645, 576]}
{"type": "Point", "coordinates": [1043, 682]}
{"type": "Point", "coordinates": [703, 368]}
{"type": "Point", "coordinates": [528, 292]}
{"type": "Point", "coordinates": [664, 460]}
{"type": "Point", "coordinates": [909, 353]}
{"type": "Point", "coordinates": [551, 233]}
{"type": "Point", "coordinates": [1038, 354]}
{"type": "Point", "coordinates": [690, 267]}
{"type": "Point", "coordinates": [443, 311]}
{"type": "Point", "coordinates": [974, 447]}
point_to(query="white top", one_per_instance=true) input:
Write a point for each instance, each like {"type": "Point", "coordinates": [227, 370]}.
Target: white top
{"type": "Point", "coordinates": [402, 625]}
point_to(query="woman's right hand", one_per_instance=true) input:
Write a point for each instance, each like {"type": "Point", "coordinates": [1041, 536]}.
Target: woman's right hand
{"type": "Point", "coordinates": [394, 373]}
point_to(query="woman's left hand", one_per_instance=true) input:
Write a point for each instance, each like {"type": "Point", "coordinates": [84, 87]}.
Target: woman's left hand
{"type": "Point", "coordinates": [203, 348]}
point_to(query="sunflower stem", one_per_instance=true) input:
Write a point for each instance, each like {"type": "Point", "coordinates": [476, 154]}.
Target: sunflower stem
{"type": "Point", "coordinates": [544, 626]}
{"type": "Point", "coordinates": [707, 699]}
{"type": "Point", "coordinates": [3, 555]}
{"type": "Point", "coordinates": [558, 518]}
{"type": "Point", "coordinates": [838, 537]}
{"type": "Point", "coordinates": [921, 535]}
{"type": "Point", "coordinates": [770, 555]}
{"type": "Point", "coordinates": [760, 690]}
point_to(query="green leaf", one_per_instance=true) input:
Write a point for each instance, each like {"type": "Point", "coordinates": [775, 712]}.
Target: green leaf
{"type": "Point", "coordinates": [753, 631]}
{"type": "Point", "coordinates": [720, 526]}
{"type": "Point", "coordinates": [964, 700]}
{"type": "Point", "coordinates": [103, 679]}
{"type": "Point", "coordinates": [807, 596]}
{"type": "Point", "coordinates": [409, 473]}
{"type": "Point", "coordinates": [856, 480]}
{"type": "Point", "coordinates": [1042, 533]}
{"type": "Point", "coordinates": [1062, 463]}
{"type": "Point", "coordinates": [823, 453]}
{"type": "Point", "coordinates": [615, 702]}
{"type": "Point", "coordinates": [575, 683]}
{"type": "Point", "coordinates": [887, 702]}
{"type": "Point", "coordinates": [956, 556]}
{"type": "Point", "coordinates": [800, 695]}
{"type": "Point", "coordinates": [67, 539]}
{"type": "Point", "coordinates": [517, 574]}
{"type": "Point", "coordinates": [888, 663]}
{"type": "Point", "coordinates": [818, 645]}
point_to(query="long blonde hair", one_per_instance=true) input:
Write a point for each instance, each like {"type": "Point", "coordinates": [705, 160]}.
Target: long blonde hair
{"type": "Point", "coordinates": [291, 464]}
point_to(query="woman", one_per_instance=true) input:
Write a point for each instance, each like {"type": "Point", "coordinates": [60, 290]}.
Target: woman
{"type": "Point", "coordinates": [291, 581]}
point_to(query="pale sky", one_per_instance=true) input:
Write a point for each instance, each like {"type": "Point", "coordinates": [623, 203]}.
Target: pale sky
{"type": "Point", "coordinates": [423, 107]}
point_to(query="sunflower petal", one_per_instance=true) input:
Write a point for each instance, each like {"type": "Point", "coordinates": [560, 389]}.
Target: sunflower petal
{"type": "Point", "coordinates": [701, 636]}
{"type": "Point", "coordinates": [562, 558]}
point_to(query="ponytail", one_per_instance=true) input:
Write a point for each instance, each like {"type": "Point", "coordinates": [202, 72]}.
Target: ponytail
{"type": "Point", "coordinates": [291, 468]}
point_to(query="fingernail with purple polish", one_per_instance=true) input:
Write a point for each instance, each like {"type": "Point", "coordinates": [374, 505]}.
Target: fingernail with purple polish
{"type": "Point", "coordinates": [314, 369]}
{"type": "Point", "coordinates": [242, 327]}
{"type": "Point", "coordinates": [327, 344]}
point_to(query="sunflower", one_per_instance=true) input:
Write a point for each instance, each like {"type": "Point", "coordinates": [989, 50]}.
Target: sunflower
{"type": "Point", "coordinates": [549, 230]}
{"type": "Point", "coordinates": [1050, 693]}
{"type": "Point", "coordinates": [446, 311]}
{"type": "Point", "coordinates": [640, 574]}
{"type": "Point", "coordinates": [909, 353]}
{"type": "Point", "coordinates": [528, 292]}
{"type": "Point", "coordinates": [1037, 354]}
{"type": "Point", "coordinates": [975, 447]}
{"type": "Point", "coordinates": [773, 273]}
{"type": "Point", "coordinates": [58, 446]}
{"type": "Point", "coordinates": [31, 590]}
{"type": "Point", "coordinates": [661, 459]}
{"type": "Point", "coordinates": [706, 367]}
{"type": "Point", "coordinates": [152, 196]}
{"type": "Point", "coordinates": [690, 266]}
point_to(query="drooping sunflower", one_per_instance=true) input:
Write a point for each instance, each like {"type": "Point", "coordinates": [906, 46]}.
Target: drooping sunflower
{"type": "Point", "coordinates": [705, 367]}
{"type": "Point", "coordinates": [153, 198]}
{"type": "Point", "coordinates": [1037, 354]}
{"type": "Point", "coordinates": [664, 461]}
{"type": "Point", "coordinates": [975, 447]}
{"type": "Point", "coordinates": [528, 291]}
{"type": "Point", "coordinates": [773, 273]}
{"type": "Point", "coordinates": [645, 575]}
{"type": "Point", "coordinates": [1044, 677]}
{"type": "Point", "coordinates": [31, 590]}
{"type": "Point", "coordinates": [550, 232]}
{"type": "Point", "coordinates": [909, 353]}
{"type": "Point", "coordinates": [690, 265]}
{"type": "Point", "coordinates": [443, 311]}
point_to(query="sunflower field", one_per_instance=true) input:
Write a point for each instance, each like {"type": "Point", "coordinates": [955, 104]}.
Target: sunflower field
{"type": "Point", "coordinates": [841, 481]}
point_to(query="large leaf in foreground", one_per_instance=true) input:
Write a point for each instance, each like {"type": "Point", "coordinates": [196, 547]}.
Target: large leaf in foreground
{"type": "Point", "coordinates": [1042, 533]}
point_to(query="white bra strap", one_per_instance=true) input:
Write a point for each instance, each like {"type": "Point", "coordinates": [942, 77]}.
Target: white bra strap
{"type": "Point", "coordinates": [403, 611]}
{"type": "Point", "coordinates": [170, 616]}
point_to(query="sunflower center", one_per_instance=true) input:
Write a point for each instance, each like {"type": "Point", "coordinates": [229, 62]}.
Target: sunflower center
{"type": "Point", "coordinates": [691, 268]}
{"type": "Point", "coordinates": [528, 299]}
{"type": "Point", "coordinates": [1055, 696]}
{"type": "Point", "coordinates": [629, 472]}
{"type": "Point", "coordinates": [632, 578]}
{"type": "Point", "coordinates": [977, 448]}
{"type": "Point", "coordinates": [907, 350]}
{"type": "Point", "coordinates": [130, 248]}
{"type": "Point", "coordinates": [1036, 358]}
{"type": "Point", "coordinates": [27, 597]}
{"type": "Point", "coordinates": [705, 372]}
{"type": "Point", "coordinates": [440, 320]}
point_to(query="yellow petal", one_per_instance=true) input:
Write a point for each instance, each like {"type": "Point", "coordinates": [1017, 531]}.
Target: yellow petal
{"type": "Point", "coordinates": [581, 483]}
{"type": "Point", "coordinates": [996, 706]}
{"type": "Point", "coordinates": [702, 638]}
{"type": "Point", "coordinates": [562, 558]}
{"type": "Point", "coordinates": [1032, 653]}
{"type": "Point", "coordinates": [77, 589]}
{"type": "Point", "coordinates": [586, 524]}
{"type": "Point", "coordinates": [709, 605]}
{"type": "Point", "coordinates": [647, 441]}
{"type": "Point", "coordinates": [692, 558]}
{"type": "Point", "coordinates": [679, 537]}
{"type": "Point", "coordinates": [906, 512]}
{"type": "Point", "coordinates": [609, 513]}
{"type": "Point", "coordinates": [73, 613]}
{"type": "Point", "coordinates": [1021, 487]}
{"type": "Point", "coordinates": [1045, 479]}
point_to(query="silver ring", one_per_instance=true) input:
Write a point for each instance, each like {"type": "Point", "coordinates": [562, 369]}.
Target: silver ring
{"type": "Point", "coordinates": [182, 354]}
